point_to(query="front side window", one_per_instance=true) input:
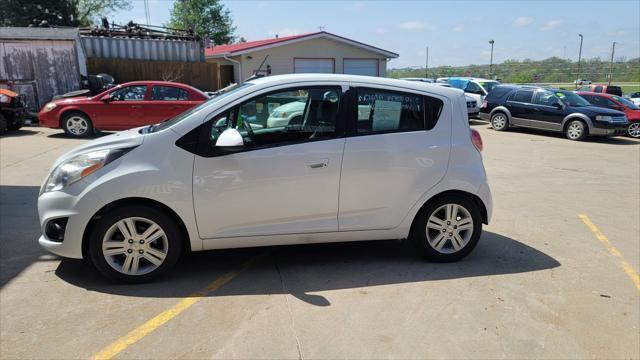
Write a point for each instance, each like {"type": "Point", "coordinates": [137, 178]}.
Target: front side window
{"type": "Point", "coordinates": [168, 93]}
{"type": "Point", "coordinates": [571, 98]}
{"type": "Point", "coordinates": [523, 96]}
{"type": "Point", "coordinates": [383, 111]}
{"type": "Point", "coordinates": [545, 97]}
{"type": "Point", "coordinates": [129, 93]}
{"type": "Point", "coordinates": [283, 118]}
{"type": "Point", "coordinates": [598, 89]}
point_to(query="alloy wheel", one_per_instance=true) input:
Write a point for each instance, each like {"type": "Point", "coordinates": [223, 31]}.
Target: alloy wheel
{"type": "Point", "coordinates": [499, 122]}
{"type": "Point", "coordinates": [574, 131]}
{"type": "Point", "coordinates": [449, 228]}
{"type": "Point", "coordinates": [634, 130]}
{"type": "Point", "coordinates": [135, 246]}
{"type": "Point", "coordinates": [77, 125]}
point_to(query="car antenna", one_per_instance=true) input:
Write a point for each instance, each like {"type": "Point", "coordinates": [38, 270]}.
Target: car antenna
{"type": "Point", "coordinates": [257, 73]}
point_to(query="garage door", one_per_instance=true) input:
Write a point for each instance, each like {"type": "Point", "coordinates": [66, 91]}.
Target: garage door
{"type": "Point", "coordinates": [367, 67]}
{"type": "Point", "coordinates": [313, 65]}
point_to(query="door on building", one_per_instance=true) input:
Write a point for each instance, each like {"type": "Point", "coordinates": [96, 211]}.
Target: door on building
{"type": "Point", "coordinates": [368, 67]}
{"type": "Point", "coordinates": [308, 65]}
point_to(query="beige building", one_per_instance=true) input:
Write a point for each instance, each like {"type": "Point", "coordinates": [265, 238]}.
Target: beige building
{"type": "Point", "coordinates": [319, 52]}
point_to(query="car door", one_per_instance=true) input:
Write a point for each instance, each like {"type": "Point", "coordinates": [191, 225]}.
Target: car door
{"type": "Point", "coordinates": [548, 111]}
{"type": "Point", "coordinates": [166, 102]}
{"type": "Point", "coordinates": [285, 179]}
{"type": "Point", "coordinates": [396, 150]}
{"type": "Point", "coordinates": [519, 105]}
{"type": "Point", "coordinates": [121, 109]}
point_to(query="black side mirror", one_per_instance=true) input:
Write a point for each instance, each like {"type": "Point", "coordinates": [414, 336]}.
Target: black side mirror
{"type": "Point", "coordinates": [558, 105]}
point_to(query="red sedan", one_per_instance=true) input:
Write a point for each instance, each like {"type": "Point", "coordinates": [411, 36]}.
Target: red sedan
{"type": "Point", "coordinates": [125, 106]}
{"type": "Point", "coordinates": [617, 103]}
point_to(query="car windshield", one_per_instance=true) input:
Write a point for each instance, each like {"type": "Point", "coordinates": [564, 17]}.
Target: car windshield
{"type": "Point", "coordinates": [166, 124]}
{"type": "Point", "coordinates": [489, 85]}
{"type": "Point", "coordinates": [571, 99]}
{"type": "Point", "coordinates": [626, 102]}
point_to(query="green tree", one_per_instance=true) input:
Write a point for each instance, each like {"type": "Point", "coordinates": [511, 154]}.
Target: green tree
{"type": "Point", "coordinates": [208, 18]}
{"type": "Point", "coordinates": [57, 12]}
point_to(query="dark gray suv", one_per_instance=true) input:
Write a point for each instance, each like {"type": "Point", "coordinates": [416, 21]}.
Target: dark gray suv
{"type": "Point", "coordinates": [550, 109]}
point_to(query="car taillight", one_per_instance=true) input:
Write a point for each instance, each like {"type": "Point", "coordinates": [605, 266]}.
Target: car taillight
{"type": "Point", "coordinates": [476, 139]}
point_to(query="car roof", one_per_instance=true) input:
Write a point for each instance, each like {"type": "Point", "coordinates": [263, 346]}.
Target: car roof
{"type": "Point", "coordinates": [154, 82]}
{"type": "Point", "coordinates": [596, 94]}
{"type": "Point", "coordinates": [470, 78]}
{"type": "Point", "coordinates": [409, 85]}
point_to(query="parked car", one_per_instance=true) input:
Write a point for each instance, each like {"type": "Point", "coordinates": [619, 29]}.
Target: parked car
{"type": "Point", "coordinates": [634, 97]}
{"type": "Point", "coordinates": [476, 87]}
{"type": "Point", "coordinates": [12, 110]}
{"type": "Point", "coordinates": [473, 107]}
{"type": "Point", "coordinates": [581, 82]}
{"type": "Point", "coordinates": [607, 89]}
{"type": "Point", "coordinates": [125, 106]}
{"type": "Point", "coordinates": [132, 202]}
{"type": "Point", "coordinates": [550, 109]}
{"type": "Point", "coordinates": [631, 110]}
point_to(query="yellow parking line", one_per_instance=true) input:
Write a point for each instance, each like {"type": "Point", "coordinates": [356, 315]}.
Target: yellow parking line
{"type": "Point", "coordinates": [148, 327]}
{"type": "Point", "coordinates": [628, 269]}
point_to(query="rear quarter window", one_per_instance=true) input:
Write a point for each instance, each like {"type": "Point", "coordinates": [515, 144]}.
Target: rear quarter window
{"type": "Point", "coordinates": [614, 90]}
{"type": "Point", "coordinates": [497, 93]}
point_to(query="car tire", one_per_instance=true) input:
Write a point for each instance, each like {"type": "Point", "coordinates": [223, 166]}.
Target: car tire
{"type": "Point", "coordinates": [499, 121]}
{"type": "Point", "coordinates": [634, 130]}
{"type": "Point", "coordinates": [576, 130]}
{"type": "Point", "coordinates": [3, 124]}
{"type": "Point", "coordinates": [136, 256]}
{"type": "Point", "coordinates": [437, 231]}
{"type": "Point", "coordinates": [77, 125]}
{"type": "Point", "coordinates": [15, 126]}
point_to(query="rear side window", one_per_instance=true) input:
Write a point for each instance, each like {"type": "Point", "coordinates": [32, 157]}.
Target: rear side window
{"type": "Point", "coordinates": [168, 93]}
{"type": "Point", "coordinates": [382, 111]}
{"type": "Point", "coordinates": [497, 93]}
{"type": "Point", "coordinates": [614, 90]}
{"type": "Point", "coordinates": [523, 96]}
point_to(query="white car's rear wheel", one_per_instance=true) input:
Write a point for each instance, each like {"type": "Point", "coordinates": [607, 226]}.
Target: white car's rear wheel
{"type": "Point", "coordinates": [447, 229]}
{"type": "Point", "coordinates": [135, 244]}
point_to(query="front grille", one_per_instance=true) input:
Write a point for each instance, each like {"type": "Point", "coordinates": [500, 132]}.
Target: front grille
{"type": "Point", "coordinates": [619, 119]}
{"type": "Point", "coordinates": [471, 104]}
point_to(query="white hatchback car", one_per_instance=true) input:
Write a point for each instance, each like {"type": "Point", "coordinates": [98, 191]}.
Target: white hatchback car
{"type": "Point", "coordinates": [409, 167]}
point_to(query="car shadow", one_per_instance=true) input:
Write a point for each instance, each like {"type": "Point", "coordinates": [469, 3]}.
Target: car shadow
{"type": "Point", "coordinates": [302, 270]}
{"type": "Point", "coordinates": [607, 140]}
{"type": "Point", "coordinates": [18, 133]}
{"type": "Point", "coordinates": [63, 135]}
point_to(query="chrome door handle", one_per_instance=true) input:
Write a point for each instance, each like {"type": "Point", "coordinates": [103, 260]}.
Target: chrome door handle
{"type": "Point", "coordinates": [318, 165]}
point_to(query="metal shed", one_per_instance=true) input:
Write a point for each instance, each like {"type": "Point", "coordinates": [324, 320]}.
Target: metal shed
{"type": "Point", "coordinates": [142, 49]}
{"type": "Point", "coordinates": [40, 62]}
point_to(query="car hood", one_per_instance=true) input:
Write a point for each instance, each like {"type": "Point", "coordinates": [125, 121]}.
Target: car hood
{"type": "Point", "coordinates": [594, 110]}
{"type": "Point", "coordinates": [71, 100]}
{"type": "Point", "coordinates": [291, 106]}
{"type": "Point", "coordinates": [123, 139]}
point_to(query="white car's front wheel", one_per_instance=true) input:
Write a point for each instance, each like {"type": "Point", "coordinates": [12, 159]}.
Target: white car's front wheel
{"type": "Point", "coordinates": [135, 244]}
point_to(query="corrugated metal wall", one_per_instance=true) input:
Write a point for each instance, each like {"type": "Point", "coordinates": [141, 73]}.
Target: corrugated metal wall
{"type": "Point", "coordinates": [142, 49]}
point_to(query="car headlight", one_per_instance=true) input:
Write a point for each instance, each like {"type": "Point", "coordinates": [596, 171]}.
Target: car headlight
{"type": "Point", "coordinates": [49, 106]}
{"type": "Point", "coordinates": [603, 118]}
{"type": "Point", "coordinates": [79, 167]}
{"type": "Point", "coordinates": [4, 99]}
{"type": "Point", "coordinates": [279, 114]}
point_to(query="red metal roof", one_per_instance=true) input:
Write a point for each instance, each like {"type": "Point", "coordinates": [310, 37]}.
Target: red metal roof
{"type": "Point", "coordinates": [231, 48]}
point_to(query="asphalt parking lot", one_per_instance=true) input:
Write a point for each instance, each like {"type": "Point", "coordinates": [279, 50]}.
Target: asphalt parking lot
{"type": "Point", "coordinates": [555, 275]}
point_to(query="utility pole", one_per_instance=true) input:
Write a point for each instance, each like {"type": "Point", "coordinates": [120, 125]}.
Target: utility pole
{"type": "Point", "coordinates": [579, 60]}
{"type": "Point", "coordinates": [613, 49]}
{"type": "Point", "coordinates": [426, 68]}
{"type": "Point", "coordinates": [491, 60]}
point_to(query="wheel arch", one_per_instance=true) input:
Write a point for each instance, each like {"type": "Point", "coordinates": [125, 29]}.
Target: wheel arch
{"type": "Point", "coordinates": [66, 112]}
{"type": "Point", "coordinates": [501, 109]}
{"type": "Point", "coordinates": [474, 198]}
{"type": "Point", "coordinates": [186, 243]}
{"type": "Point", "coordinates": [577, 116]}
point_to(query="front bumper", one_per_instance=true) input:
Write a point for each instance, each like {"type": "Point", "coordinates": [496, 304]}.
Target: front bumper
{"type": "Point", "coordinates": [78, 208]}
{"type": "Point", "coordinates": [602, 129]}
{"type": "Point", "coordinates": [48, 119]}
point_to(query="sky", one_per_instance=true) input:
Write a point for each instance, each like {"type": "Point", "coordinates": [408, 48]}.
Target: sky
{"type": "Point", "coordinates": [456, 32]}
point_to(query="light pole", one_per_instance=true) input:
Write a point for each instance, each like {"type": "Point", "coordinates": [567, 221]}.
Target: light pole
{"type": "Point", "coordinates": [426, 67]}
{"type": "Point", "coordinates": [613, 49]}
{"type": "Point", "coordinates": [579, 59]}
{"type": "Point", "coordinates": [491, 59]}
